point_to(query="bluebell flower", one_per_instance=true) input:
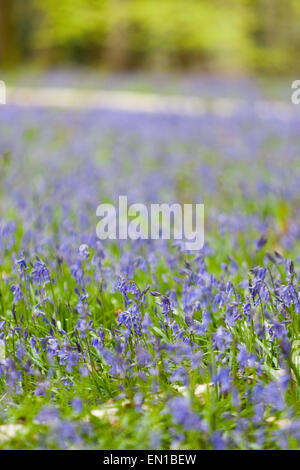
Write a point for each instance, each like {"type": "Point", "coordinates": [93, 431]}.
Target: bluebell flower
{"type": "Point", "coordinates": [42, 388]}
{"type": "Point", "coordinates": [22, 265]}
{"type": "Point", "coordinates": [77, 405]}
{"type": "Point", "coordinates": [47, 415]}
{"type": "Point", "coordinates": [40, 272]}
{"type": "Point", "coordinates": [184, 416]}
{"type": "Point", "coordinates": [218, 441]}
{"type": "Point", "coordinates": [17, 292]}
{"type": "Point", "coordinates": [223, 379]}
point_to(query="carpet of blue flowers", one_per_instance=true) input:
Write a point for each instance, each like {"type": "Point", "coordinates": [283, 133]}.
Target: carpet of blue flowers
{"type": "Point", "coordinates": [138, 344]}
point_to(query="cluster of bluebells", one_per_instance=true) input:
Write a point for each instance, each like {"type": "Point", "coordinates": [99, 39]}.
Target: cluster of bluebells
{"type": "Point", "coordinates": [199, 349]}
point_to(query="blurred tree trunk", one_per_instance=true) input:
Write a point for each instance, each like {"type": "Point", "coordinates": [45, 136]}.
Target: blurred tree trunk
{"type": "Point", "coordinates": [8, 41]}
{"type": "Point", "coordinates": [274, 19]}
{"type": "Point", "coordinates": [117, 47]}
{"type": "Point", "coordinates": [275, 34]}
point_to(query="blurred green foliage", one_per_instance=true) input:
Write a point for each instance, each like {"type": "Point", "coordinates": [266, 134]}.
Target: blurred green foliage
{"type": "Point", "coordinates": [226, 35]}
